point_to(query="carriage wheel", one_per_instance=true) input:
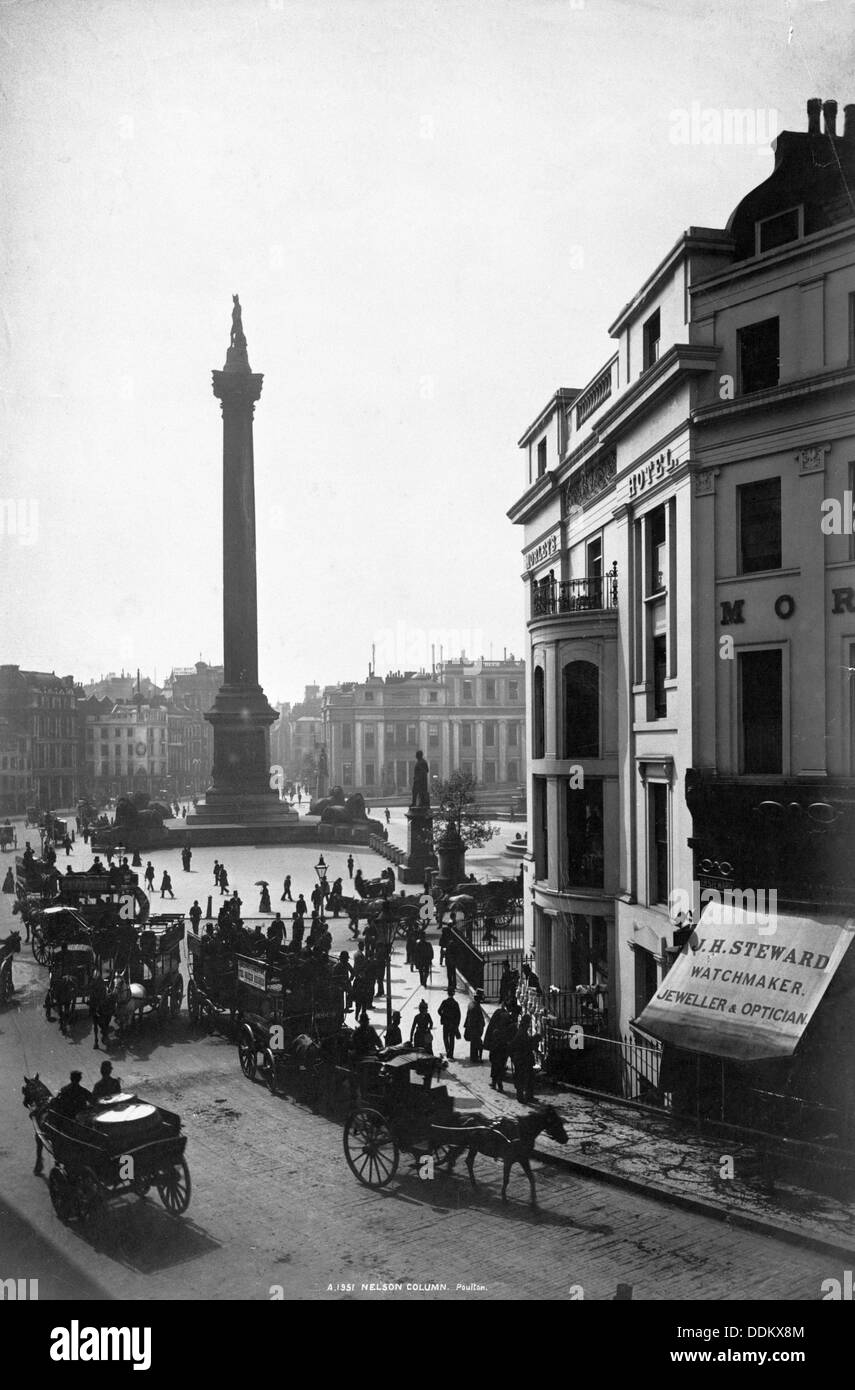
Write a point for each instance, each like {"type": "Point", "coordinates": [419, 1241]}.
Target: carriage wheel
{"type": "Point", "coordinates": [89, 1195]}
{"type": "Point", "coordinates": [370, 1148]}
{"type": "Point", "coordinates": [176, 997]}
{"type": "Point", "coordinates": [246, 1053]}
{"type": "Point", "coordinates": [142, 1186]}
{"type": "Point", "coordinates": [40, 955]}
{"type": "Point", "coordinates": [268, 1071]}
{"type": "Point", "coordinates": [173, 1188]}
{"type": "Point", "coordinates": [61, 1194]}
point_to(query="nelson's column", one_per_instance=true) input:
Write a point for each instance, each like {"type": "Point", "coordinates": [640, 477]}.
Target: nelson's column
{"type": "Point", "coordinates": [240, 795]}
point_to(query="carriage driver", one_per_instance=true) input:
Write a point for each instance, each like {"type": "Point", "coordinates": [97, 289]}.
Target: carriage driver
{"type": "Point", "coordinates": [73, 1098]}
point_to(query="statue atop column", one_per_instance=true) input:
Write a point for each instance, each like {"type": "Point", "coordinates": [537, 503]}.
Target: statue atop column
{"type": "Point", "coordinates": [238, 337]}
{"type": "Point", "coordinates": [421, 791]}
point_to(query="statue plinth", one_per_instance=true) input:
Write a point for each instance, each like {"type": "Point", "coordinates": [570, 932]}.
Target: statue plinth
{"type": "Point", "coordinates": [452, 860]}
{"type": "Point", "coordinates": [420, 852]}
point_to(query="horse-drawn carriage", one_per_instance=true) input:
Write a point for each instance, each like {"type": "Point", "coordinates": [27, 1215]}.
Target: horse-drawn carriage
{"type": "Point", "coordinates": [397, 1107]}
{"type": "Point", "coordinates": [211, 984]}
{"type": "Point", "coordinates": [8, 836]}
{"type": "Point", "coordinates": [495, 903]}
{"type": "Point", "coordinates": [111, 1147]}
{"type": "Point", "coordinates": [400, 1110]}
{"type": "Point", "coordinates": [54, 927]}
{"type": "Point", "coordinates": [98, 901]}
{"type": "Point", "coordinates": [290, 1019]}
{"type": "Point", "coordinates": [142, 968]}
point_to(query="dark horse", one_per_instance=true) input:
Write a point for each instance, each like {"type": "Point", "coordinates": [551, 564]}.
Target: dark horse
{"type": "Point", "coordinates": [62, 996]}
{"type": "Point", "coordinates": [37, 1099]}
{"type": "Point", "coordinates": [511, 1141]}
{"type": "Point", "coordinates": [102, 1006]}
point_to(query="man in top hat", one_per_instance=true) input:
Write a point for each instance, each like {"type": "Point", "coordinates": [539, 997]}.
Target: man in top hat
{"type": "Point", "coordinates": [473, 1029]}
{"type": "Point", "coordinates": [449, 1017]}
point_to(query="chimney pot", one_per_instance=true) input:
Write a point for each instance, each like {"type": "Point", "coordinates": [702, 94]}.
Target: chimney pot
{"type": "Point", "coordinates": [814, 107]}
{"type": "Point", "coordinates": [849, 122]}
{"type": "Point", "coordinates": [829, 111]}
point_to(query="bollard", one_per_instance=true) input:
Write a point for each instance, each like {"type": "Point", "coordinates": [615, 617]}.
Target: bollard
{"type": "Point", "coordinates": [209, 914]}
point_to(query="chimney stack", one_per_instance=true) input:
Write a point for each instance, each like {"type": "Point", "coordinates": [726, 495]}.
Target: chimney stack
{"type": "Point", "coordinates": [849, 123]}
{"type": "Point", "coordinates": [829, 111]}
{"type": "Point", "coordinates": [814, 107]}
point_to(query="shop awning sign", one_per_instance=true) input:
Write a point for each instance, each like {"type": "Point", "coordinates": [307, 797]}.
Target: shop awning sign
{"type": "Point", "coordinates": [736, 991]}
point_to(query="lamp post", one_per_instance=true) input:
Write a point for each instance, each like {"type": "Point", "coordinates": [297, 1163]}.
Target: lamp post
{"type": "Point", "coordinates": [321, 869]}
{"type": "Point", "coordinates": [386, 933]}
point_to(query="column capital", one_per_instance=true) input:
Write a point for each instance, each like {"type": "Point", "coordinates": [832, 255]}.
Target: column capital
{"type": "Point", "coordinates": [239, 389]}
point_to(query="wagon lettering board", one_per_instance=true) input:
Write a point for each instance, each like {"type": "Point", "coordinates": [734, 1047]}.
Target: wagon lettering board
{"type": "Point", "coordinates": [251, 975]}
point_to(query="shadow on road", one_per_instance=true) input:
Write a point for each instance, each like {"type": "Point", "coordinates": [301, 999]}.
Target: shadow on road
{"type": "Point", "coordinates": [138, 1233]}
{"type": "Point", "coordinates": [27, 1254]}
{"type": "Point", "coordinates": [451, 1192]}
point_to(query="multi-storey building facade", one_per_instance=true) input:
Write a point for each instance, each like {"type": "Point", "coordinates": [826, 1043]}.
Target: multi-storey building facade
{"type": "Point", "coordinates": [465, 716]}
{"type": "Point", "coordinates": [40, 709]}
{"type": "Point", "coordinates": [128, 750]}
{"type": "Point", "coordinates": [190, 691]}
{"type": "Point", "coordinates": [15, 771]}
{"type": "Point", "coordinates": [692, 630]}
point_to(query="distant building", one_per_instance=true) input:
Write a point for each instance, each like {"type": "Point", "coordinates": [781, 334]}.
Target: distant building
{"type": "Point", "coordinates": [465, 715]}
{"type": "Point", "coordinates": [306, 736]}
{"type": "Point", "coordinates": [120, 688]}
{"type": "Point", "coordinates": [40, 710]}
{"type": "Point", "coordinates": [15, 771]}
{"type": "Point", "coordinates": [127, 750]}
{"type": "Point", "coordinates": [190, 692]}
{"type": "Point", "coordinates": [280, 738]}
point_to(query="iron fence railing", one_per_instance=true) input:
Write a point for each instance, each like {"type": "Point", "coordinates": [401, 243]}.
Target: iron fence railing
{"type": "Point", "coordinates": [591, 593]}
{"type": "Point", "coordinates": [621, 1067]}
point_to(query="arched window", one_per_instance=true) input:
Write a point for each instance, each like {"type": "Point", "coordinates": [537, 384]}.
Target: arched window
{"type": "Point", "coordinates": [539, 715]}
{"type": "Point", "coordinates": [581, 710]}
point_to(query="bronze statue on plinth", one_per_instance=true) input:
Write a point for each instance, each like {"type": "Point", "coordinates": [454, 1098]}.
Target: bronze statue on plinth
{"type": "Point", "coordinates": [421, 789]}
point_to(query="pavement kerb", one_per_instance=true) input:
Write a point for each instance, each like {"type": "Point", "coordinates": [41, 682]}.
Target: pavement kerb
{"type": "Point", "coordinates": [696, 1205]}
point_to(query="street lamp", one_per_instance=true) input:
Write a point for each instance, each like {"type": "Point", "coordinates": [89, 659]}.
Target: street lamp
{"type": "Point", "coordinates": [386, 933]}
{"type": "Point", "coordinates": [322, 869]}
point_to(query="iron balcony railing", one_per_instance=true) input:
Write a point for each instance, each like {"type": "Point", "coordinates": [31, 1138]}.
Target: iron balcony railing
{"type": "Point", "coordinates": [591, 594]}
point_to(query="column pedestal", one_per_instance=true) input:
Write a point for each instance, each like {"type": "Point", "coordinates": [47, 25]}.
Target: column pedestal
{"type": "Point", "coordinates": [420, 852]}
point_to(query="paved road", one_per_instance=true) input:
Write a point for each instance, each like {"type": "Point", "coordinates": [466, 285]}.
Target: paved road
{"type": "Point", "coordinates": [275, 1206]}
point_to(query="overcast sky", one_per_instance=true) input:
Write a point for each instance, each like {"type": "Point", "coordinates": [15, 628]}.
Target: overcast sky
{"type": "Point", "coordinates": [431, 212]}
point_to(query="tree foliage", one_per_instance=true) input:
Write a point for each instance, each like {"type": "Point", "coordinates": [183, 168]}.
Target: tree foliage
{"type": "Point", "coordinates": [456, 807]}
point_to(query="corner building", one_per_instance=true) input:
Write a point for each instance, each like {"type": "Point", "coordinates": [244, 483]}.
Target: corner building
{"type": "Point", "coordinates": [674, 500]}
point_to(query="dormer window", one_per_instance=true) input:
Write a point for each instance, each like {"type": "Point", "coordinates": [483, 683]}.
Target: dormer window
{"type": "Point", "coordinates": [651, 341]}
{"type": "Point", "coordinates": [771, 232]}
